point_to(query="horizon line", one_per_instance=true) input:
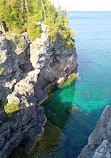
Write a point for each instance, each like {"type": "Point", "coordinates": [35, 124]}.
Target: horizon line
{"type": "Point", "coordinates": [88, 10]}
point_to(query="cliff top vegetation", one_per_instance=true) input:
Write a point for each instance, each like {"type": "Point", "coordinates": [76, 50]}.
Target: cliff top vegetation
{"type": "Point", "coordinates": [18, 16]}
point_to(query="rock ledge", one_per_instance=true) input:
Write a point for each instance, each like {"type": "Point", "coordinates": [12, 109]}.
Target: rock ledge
{"type": "Point", "coordinates": [27, 71]}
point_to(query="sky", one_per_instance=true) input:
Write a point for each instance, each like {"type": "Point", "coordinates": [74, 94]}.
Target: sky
{"type": "Point", "coordinates": [84, 5]}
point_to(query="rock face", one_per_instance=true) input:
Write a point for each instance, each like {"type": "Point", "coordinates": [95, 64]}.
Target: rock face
{"type": "Point", "coordinates": [39, 62]}
{"type": "Point", "coordinates": [26, 73]}
{"type": "Point", "coordinates": [99, 142]}
{"type": "Point", "coordinates": [17, 127]}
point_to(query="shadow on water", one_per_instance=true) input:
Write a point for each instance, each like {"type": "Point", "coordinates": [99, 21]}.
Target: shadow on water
{"type": "Point", "coordinates": [58, 110]}
{"type": "Point", "coordinates": [79, 128]}
{"type": "Point", "coordinates": [48, 146]}
{"type": "Point", "coordinates": [63, 142]}
{"type": "Point", "coordinates": [52, 142]}
{"type": "Point", "coordinates": [66, 132]}
{"type": "Point", "coordinates": [58, 113]}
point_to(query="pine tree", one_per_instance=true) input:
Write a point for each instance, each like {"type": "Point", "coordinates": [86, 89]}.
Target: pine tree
{"type": "Point", "coordinates": [23, 15]}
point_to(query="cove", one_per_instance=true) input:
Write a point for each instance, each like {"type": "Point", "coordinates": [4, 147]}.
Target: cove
{"type": "Point", "coordinates": [74, 110]}
{"type": "Point", "coordinates": [91, 92]}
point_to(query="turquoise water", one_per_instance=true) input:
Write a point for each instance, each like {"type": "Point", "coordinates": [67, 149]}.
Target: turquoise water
{"type": "Point", "coordinates": [93, 43]}
{"type": "Point", "coordinates": [77, 108]}
{"type": "Point", "coordinates": [92, 91]}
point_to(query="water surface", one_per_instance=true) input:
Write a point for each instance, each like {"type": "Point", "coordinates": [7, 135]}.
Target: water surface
{"type": "Point", "coordinates": [92, 91]}
{"type": "Point", "coordinates": [75, 109]}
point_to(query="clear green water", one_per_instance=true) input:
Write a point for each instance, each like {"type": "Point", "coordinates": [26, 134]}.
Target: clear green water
{"type": "Point", "coordinates": [92, 91]}
{"type": "Point", "coordinates": [77, 108]}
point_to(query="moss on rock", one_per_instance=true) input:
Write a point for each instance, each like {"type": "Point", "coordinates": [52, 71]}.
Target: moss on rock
{"type": "Point", "coordinates": [68, 81]}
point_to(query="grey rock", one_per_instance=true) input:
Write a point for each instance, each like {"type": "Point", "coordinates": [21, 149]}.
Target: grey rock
{"type": "Point", "coordinates": [103, 151]}
{"type": "Point", "coordinates": [2, 141]}
{"type": "Point", "coordinates": [99, 142]}
{"type": "Point", "coordinates": [27, 73]}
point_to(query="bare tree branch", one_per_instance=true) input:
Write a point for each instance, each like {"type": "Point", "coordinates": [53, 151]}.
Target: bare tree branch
{"type": "Point", "coordinates": [26, 6]}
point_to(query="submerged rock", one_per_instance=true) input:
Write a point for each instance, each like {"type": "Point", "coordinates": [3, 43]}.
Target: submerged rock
{"type": "Point", "coordinates": [99, 142]}
{"type": "Point", "coordinates": [28, 69]}
{"type": "Point", "coordinates": [50, 139]}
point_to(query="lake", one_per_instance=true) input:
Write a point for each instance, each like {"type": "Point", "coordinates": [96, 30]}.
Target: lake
{"type": "Point", "coordinates": [75, 110]}
{"type": "Point", "coordinates": [91, 92]}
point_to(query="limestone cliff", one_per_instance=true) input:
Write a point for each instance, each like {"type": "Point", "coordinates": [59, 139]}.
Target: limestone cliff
{"type": "Point", "coordinates": [99, 142]}
{"type": "Point", "coordinates": [26, 73]}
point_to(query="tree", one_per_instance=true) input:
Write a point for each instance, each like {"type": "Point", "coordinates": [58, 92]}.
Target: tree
{"type": "Point", "coordinates": [26, 6]}
{"type": "Point", "coordinates": [43, 10]}
{"type": "Point", "coordinates": [23, 15]}
{"type": "Point", "coordinates": [2, 6]}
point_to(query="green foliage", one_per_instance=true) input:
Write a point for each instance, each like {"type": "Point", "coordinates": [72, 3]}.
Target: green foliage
{"type": "Point", "coordinates": [11, 108]}
{"type": "Point", "coordinates": [19, 41]}
{"type": "Point", "coordinates": [21, 44]}
{"type": "Point", "coordinates": [68, 81]}
{"type": "Point", "coordinates": [17, 38]}
{"type": "Point", "coordinates": [20, 16]}
{"type": "Point", "coordinates": [13, 14]}
{"type": "Point", "coordinates": [1, 70]}
{"type": "Point", "coordinates": [33, 30]}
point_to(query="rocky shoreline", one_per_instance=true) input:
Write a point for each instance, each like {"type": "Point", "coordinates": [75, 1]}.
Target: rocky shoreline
{"type": "Point", "coordinates": [99, 142]}
{"type": "Point", "coordinates": [27, 72]}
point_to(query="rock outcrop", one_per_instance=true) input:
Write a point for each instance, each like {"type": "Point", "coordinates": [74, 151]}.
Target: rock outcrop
{"type": "Point", "coordinates": [26, 73]}
{"type": "Point", "coordinates": [99, 142]}
{"type": "Point", "coordinates": [15, 128]}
